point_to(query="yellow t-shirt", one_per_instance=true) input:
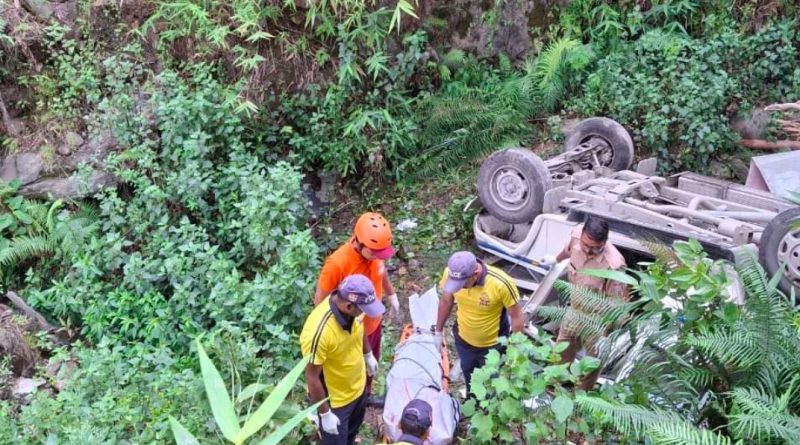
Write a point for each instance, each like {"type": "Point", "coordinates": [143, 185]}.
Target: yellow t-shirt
{"type": "Point", "coordinates": [338, 351]}
{"type": "Point", "coordinates": [478, 308]}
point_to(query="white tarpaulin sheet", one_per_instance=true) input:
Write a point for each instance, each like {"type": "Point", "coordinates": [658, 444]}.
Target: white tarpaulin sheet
{"type": "Point", "coordinates": [417, 373]}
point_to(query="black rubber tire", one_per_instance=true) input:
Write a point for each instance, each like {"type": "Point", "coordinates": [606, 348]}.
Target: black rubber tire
{"type": "Point", "coordinates": [522, 168]}
{"type": "Point", "coordinates": [772, 242]}
{"type": "Point", "coordinates": [609, 130]}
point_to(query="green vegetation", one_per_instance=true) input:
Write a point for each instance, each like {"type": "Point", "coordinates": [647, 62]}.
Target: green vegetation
{"type": "Point", "coordinates": [223, 116]}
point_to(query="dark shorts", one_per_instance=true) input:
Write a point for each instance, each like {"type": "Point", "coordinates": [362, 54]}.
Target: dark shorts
{"type": "Point", "coordinates": [351, 416]}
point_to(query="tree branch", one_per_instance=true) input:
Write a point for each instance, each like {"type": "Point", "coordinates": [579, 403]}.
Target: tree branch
{"type": "Point", "coordinates": [761, 144]}
{"type": "Point", "coordinates": [20, 304]}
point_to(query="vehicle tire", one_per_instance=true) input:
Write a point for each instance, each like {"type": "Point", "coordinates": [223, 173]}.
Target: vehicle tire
{"type": "Point", "coordinates": [779, 244]}
{"type": "Point", "coordinates": [512, 184]}
{"type": "Point", "coordinates": [614, 134]}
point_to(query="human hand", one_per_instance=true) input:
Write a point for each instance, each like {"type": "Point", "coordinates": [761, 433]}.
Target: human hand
{"type": "Point", "coordinates": [372, 363]}
{"type": "Point", "coordinates": [547, 261]}
{"type": "Point", "coordinates": [394, 303]}
{"type": "Point", "coordinates": [329, 422]}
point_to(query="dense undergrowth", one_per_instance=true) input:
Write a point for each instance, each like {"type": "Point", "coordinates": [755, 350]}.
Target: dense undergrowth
{"type": "Point", "coordinates": [207, 233]}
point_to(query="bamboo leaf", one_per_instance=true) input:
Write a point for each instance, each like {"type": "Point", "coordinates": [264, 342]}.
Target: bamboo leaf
{"type": "Point", "coordinates": [264, 412]}
{"type": "Point", "coordinates": [218, 398]}
{"type": "Point", "coordinates": [279, 434]}
{"type": "Point", "coordinates": [250, 391]}
{"type": "Point", "coordinates": [614, 275]}
{"type": "Point", "coordinates": [182, 436]}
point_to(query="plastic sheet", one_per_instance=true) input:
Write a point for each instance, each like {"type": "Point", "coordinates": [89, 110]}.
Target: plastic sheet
{"type": "Point", "coordinates": [417, 373]}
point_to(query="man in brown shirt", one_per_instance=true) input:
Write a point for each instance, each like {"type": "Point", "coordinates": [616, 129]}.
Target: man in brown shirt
{"type": "Point", "coordinates": [588, 248]}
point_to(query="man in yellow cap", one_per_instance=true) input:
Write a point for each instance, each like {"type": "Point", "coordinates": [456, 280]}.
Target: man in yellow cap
{"type": "Point", "coordinates": [333, 336]}
{"type": "Point", "coordinates": [485, 298]}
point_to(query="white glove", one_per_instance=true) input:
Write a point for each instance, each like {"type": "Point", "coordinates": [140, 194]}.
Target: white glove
{"type": "Point", "coordinates": [395, 304]}
{"type": "Point", "coordinates": [437, 340]}
{"type": "Point", "coordinates": [372, 364]}
{"type": "Point", "coordinates": [330, 423]}
{"type": "Point", "coordinates": [547, 261]}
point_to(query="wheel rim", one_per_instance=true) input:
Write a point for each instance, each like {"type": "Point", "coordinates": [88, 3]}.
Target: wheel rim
{"type": "Point", "coordinates": [789, 255]}
{"type": "Point", "coordinates": [509, 188]}
{"type": "Point", "coordinates": [605, 154]}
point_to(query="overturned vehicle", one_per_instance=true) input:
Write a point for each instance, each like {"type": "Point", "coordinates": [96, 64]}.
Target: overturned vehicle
{"type": "Point", "coordinates": [529, 207]}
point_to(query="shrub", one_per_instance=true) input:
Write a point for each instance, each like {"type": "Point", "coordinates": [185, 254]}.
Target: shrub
{"type": "Point", "coordinates": [677, 94]}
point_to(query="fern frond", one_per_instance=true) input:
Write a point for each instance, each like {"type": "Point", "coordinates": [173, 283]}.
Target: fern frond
{"type": "Point", "coordinates": [662, 252]}
{"type": "Point", "coordinates": [627, 419]}
{"type": "Point", "coordinates": [737, 350]}
{"type": "Point", "coordinates": [25, 247]}
{"type": "Point", "coordinates": [552, 313]}
{"type": "Point", "coordinates": [764, 428]}
{"type": "Point", "coordinates": [684, 433]}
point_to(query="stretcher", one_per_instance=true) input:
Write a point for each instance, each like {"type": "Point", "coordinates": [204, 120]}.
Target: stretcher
{"type": "Point", "coordinates": [419, 371]}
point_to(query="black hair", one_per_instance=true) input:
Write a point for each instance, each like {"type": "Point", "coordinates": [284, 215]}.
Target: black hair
{"type": "Point", "coordinates": [596, 229]}
{"type": "Point", "coordinates": [413, 427]}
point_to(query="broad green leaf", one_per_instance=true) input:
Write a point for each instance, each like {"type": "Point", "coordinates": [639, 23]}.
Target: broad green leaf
{"type": "Point", "coordinates": [501, 385]}
{"type": "Point", "coordinates": [468, 408]}
{"type": "Point", "coordinates": [264, 412]}
{"type": "Point", "coordinates": [478, 389]}
{"type": "Point", "coordinates": [730, 312]}
{"type": "Point", "coordinates": [562, 407]}
{"type": "Point", "coordinates": [615, 275]}
{"type": "Point", "coordinates": [6, 221]}
{"type": "Point", "coordinates": [22, 216]}
{"type": "Point", "coordinates": [221, 404]}
{"type": "Point", "coordinates": [560, 347]}
{"type": "Point", "coordinates": [483, 426]}
{"type": "Point", "coordinates": [538, 387]}
{"type": "Point", "coordinates": [493, 358]}
{"type": "Point", "coordinates": [15, 202]}
{"type": "Point", "coordinates": [182, 436]}
{"type": "Point", "coordinates": [279, 434]}
{"type": "Point", "coordinates": [250, 391]}
{"type": "Point", "coordinates": [511, 408]}
{"type": "Point", "coordinates": [585, 365]}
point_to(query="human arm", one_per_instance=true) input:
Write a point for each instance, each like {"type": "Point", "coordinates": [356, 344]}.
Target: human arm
{"type": "Point", "coordinates": [329, 278]}
{"type": "Point", "coordinates": [516, 318]}
{"type": "Point", "coordinates": [391, 296]}
{"type": "Point", "coordinates": [315, 389]}
{"type": "Point", "coordinates": [388, 289]}
{"type": "Point", "coordinates": [445, 307]}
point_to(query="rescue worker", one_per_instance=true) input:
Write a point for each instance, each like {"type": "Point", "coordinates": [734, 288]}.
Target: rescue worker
{"type": "Point", "coordinates": [364, 253]}
{"type": "Point", "coordinates": [415, 422]}
{"type": "Point", "coordinates": [485, 297]}
{"type": "Point", "coordinates": [587, 248]}
{"type": "Point", "coordinates": [333, 336]}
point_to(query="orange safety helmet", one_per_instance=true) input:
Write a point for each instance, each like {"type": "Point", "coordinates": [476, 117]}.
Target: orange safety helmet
{"type": "Point", "coordinates": [373, 231]}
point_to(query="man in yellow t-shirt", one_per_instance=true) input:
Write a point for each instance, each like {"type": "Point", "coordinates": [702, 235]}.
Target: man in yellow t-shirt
{"type": "Point", "coordinates": [485, 297]}
{"type": "Point", "coordinates": [333, 336]}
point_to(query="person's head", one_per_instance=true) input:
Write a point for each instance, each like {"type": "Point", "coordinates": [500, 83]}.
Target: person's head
{"type": "Point", "coordinates": [373, 236]}
{"type": "Point", "coordinates": [594, 236]}
{"type": "Point", "coordinates": [417, 419]}
{"type": "Point", "coordinates": [356, 295]}
{"type": "Point", "coordinates": [463, 270]}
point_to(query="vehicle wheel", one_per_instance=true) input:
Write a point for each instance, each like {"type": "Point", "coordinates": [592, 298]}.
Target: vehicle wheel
{"type": "Point", "coordinates": [512, 183]}
{"type": "Point", "coordinates": [618, 155]}
{"type": "Point", "coordinates": [781, 245]}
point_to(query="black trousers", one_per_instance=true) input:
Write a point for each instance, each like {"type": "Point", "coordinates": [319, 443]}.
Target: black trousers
{"type": "Point", "coordinates": [351, 416]}
{"type": "Point", "coordinates": [472, 357]}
